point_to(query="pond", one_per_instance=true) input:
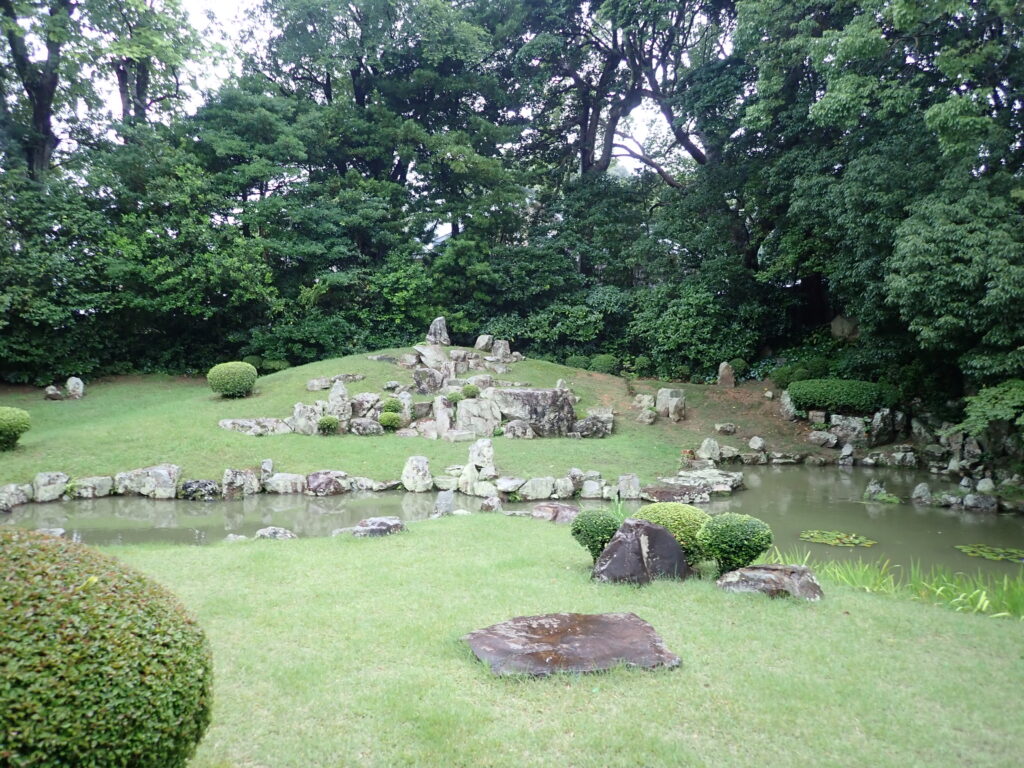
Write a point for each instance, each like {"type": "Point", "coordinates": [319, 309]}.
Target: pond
{"type": "Point", "coordinates": [790, 499]}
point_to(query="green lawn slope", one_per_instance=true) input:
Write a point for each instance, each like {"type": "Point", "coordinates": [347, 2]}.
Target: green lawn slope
{"type": "Point", "coordinates": [343, 652]}
{"type": "Point", "coordinates": [135, 421]}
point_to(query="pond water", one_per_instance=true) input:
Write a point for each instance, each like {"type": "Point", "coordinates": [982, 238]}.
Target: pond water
{"type": "Point", "coordinates": [790, 499]}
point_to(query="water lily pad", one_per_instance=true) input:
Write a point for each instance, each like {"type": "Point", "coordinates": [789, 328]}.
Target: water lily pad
{"type": "Point", "coordinates": [992, 553]}
{"type": "Point", "coordinates": [837, 539]}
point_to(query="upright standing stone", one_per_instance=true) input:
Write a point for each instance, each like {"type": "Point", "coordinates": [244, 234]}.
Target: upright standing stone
{"type": "Point", "coordinates": [438, 333]}
{"type": "Point", "coordinates": [416, 476]}
{"type": "Point", "coordinates": [484, 342]}
{"type": "Point", "coordinates": [726, 376]}
{"type": "Point", "coordinates": [639, 552]}
{"type": "Point", "coordinates": [664, 398]}
{"type": "Point", "coordinates": [501, 350]}
{"type": "Point", "coordinates": [75, 387]}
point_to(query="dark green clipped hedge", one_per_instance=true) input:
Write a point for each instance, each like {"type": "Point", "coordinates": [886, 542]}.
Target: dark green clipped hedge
{"type": "Point", "coordinates": [733, 540]}
{"type": "Point", "coordinates": [14, 422]}
{"type": "Point", "coordinates": [841, 395]}
{"type": "Point", "coordinates": [593, 529]}
{"type": "Point", "coordinates": [99, 666]}
{"type": "Point", "coordinates": [234, 379]}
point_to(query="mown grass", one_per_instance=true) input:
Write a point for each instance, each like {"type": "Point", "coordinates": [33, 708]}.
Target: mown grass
{"type": "Point", "coordinates": [341, 652]}
{"type": "Point", "coordinates": [988, 594]}
{"type": "Point", "coordinates": [129, 422]}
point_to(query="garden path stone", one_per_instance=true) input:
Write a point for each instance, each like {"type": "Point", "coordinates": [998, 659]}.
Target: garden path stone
{"type": "Point", "coordinates": [774, 580]}
{"type": "Point", "coordinates": [639, 552]}
{"type": "Point", "coordinates": [569, 642]}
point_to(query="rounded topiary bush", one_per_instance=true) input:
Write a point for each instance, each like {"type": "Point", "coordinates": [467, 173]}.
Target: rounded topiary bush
{"type": "Point", "coordinates": [391, 405]}
{"type": "Point", "coordinates": [390, 421]}
{"type": "Point", "coordinates": [682, 521]}
{"type": "Point", "coordinates": [254, 360]}
{"type": "Point", "coordinates": [733, 540]}
{"type": "Point", "coordinates": [14, 422]}
{"type": "Point", "coordinates": [328, 425]}
{"type": "Point", "coordinates": [455, 397]}
{"type": "Point", "coordinates": [235, 379]}
{"type": "Point", "coordinates": [740, 367]}
{"type": "Point", "coordinates": [470, 391]}
{"type": "Point", "coordinates": [578, 361]}
{"type": "Point", "coordinates": [605, 364]}
{"type": "Point", "coordinates": [101, 666]}
{"type": "Point", "coordinates": [593, 529]}
{"type": "Point", "coordinates": [642, 365]}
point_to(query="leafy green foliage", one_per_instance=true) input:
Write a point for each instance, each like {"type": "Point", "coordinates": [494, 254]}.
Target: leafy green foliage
{"type": "Point", "coordinates": [470, 391]}
{"type": "Point", "coordinates": [391, 405]}
{"type": "Point", "coordinates": [578, 361]}
{"type": "Point", "coordinates": [836, 538]}
{"type": "Point", "coordinates": [594, 528]}
{"type": "Point", "coordinates": [328, 425]}
{"type": "Point", "coordinates": [102, 666]}
{"type": "Point", "coordinates": [14, 422]}
{"type": "Point", "coordinates": [682, 521]}
{"type": "Point", "coordinates": [733, 540]}
{"type": "Point", "coordinates": [841, 395]}
{"type": "Point", "coordinates": [740, 367]}
{"type": "Point", "coordinates": [605, 363]}
{"type": "Point", "coordinates": [1003, 402]}
{"type": "Point", "coordinates": [455, 397]}
{"type": "Point", "coordinates": [234, 379]}
{"type": "Point", "coordinates": [390, 421]}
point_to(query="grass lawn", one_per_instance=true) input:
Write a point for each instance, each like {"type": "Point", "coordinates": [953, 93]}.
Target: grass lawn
{"type": "Point", "coordinates": [340, 652]}
{"type": "Point", "coordinates": [135, 421]}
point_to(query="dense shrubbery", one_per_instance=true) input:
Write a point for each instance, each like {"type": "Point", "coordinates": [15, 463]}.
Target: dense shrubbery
{"type": "Point", "coordinates": [328, 425]}
{"type": "Point", "coordinates": [254, 360]}
{"type": "Point", "coordinates": [594, 528]}
{"type": "Point", "coordinates": [14, 422]}
{"type": "Point", "coordinates": [740, 367]}
{"type": "Point", "coordinates": [841, 395]}
{"type": "Point", "coordinates": [454, 398]}
{"type": "Point", "coordinates": [605, 364]}
{"type": "Point", "coordinates": [734, 541]}
{"type": "Point", "coordinates": [578, 361]}
{"type": "Point", "coordinates": [642, 365]}
{"type": "Point", "coordinates": [391, 405]}
{"type": "Point", "coordinates": [470, 391]}
{"type": "Point", "coordinates": [682, 521]}
{"type": "Point", "coordinates": [275, 365]}
{"type": "Point", "coordinates": [390, 421]}
{"type": "Point", "coordinates": [102, 667]}
{"type": "Point", "coordinates": [1004, 402]}
{"type": "Point", "coordinates": [234, 379]}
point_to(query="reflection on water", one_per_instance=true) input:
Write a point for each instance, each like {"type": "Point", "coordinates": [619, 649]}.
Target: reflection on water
{"type": "Point", "coordinates": [790, 499]}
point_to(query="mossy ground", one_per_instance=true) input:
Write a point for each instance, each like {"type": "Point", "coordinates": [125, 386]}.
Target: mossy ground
{"type": "Point", "coordinates": [339, 652]}
{"type": "Point", "coordinates": [133, 421]}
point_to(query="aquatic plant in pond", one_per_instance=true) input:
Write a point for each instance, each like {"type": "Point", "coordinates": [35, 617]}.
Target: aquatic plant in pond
{"type": "Point", "coordinates": [837, 539]}
{"type": "Point", "coordinates": [1011, 554]}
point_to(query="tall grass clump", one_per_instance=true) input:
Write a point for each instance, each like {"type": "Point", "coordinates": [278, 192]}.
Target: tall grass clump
{"type": "Point", "coordinates": [995, 596]}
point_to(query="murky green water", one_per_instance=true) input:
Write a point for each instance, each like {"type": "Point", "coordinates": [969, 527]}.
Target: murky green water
{"type": "Point", "coordinates": [790, 499]}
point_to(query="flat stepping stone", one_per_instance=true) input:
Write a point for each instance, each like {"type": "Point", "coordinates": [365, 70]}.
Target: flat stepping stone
{"type": "Point", "coordinates": [569, 642]}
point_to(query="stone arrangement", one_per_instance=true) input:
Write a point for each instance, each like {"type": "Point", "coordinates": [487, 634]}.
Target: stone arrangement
{"type": "Point", "coordinates": [74, 389]}
{"type": "Point", "coordinates": [774, 580]}
{"type": "Point", "coordinates": [521, 412]}
{"type": "Point", "coordinates": [569, 642]}
{"type": "Point", "coordinates": [640, 552]}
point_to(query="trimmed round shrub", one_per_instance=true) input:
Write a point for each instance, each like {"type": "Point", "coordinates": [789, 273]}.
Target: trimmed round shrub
{"type": "Point", "coordinates": [390, 421]}
{"type": "Point", "coordinates": [733, 540]}
{"type": "Point", "coordinates": [391, 405]}
{"type": "Point", "coordinates": [682, 521]}
{"type": "Point", "coordinates": [605, 364]}
{"type": "Point", "coordinates": [593, 529]}
{"type": "Point", "coordinates": [578, 361]}
{"type": "Point", "coordinates": [455, 397]}
{"type": "Point", "coordinates": [234, 379]}
{"type": "Point", "coordinates": [470, 391]}
{"type": "Point", "coordinates": [328, 425]}
{"type": "Point", "coordinates": [841, 395]}
{"type": "Point", "coordinates": [14, 422]}
{"type": "Point", "coordinates": [642, 365]}
{"type": "Point", "coordinates": [101, 665]}
{"type": "Point", "coordinates": [254, 360]}
{"type": "Point", "coordinates": [273, 366]}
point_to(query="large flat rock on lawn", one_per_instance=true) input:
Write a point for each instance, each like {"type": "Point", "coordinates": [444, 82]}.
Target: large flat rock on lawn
{"type": "Point", "coordinates": [569, 642]}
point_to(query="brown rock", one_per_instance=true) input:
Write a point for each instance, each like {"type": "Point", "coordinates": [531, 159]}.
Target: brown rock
{"type": "Point", "coordinates": [774, 580]}
{"type": "Point", "coordinates": [639, 552]}
{"type": "Point", "coordinates": [569, 642]}
{"type": "Point", "coordinates": [555, 512]}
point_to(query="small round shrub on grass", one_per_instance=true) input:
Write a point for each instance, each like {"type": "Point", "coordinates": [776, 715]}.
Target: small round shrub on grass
{"type": "Point", "coordinates": [605, 364]}
{"type": "Point", "coordinates": [235, 379]}
{"type": "Point", "coordinates": [102, 666]}
{"type": "Point", "coordinates": [593, 529]}
{"type": "Point", "coordinates": [391, 405]}
{"type": "Point", "coordinates": [578, 361]}
{"type": "Point", "coordinates": [14, 422]}
{"type": "Point", "coordinates": [733, 540]}
{"type": "Point", "coordinates": [390, 421]}
{"type": "Point", "coordinates": [470, 391]}
{"type": "Point", "coordinates": [682, 521]}
{"type": "Point", "coordinates": [328, 425]}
